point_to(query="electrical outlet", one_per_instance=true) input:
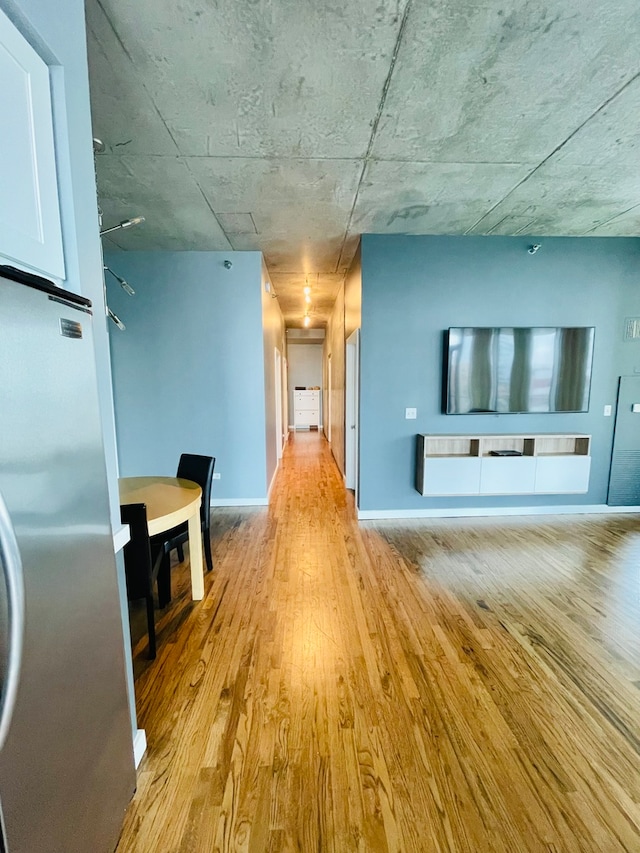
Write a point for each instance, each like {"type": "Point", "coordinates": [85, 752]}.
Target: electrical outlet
{"type": "Point", "coordinates": [607, 411]}
{"type": "Point", "coordinates": [410, 414]}
{"type": "Point", "coordinates": [217, 476]}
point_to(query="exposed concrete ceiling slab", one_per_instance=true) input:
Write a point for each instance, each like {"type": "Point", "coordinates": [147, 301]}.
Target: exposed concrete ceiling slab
{"type": "Point", "coordinates": [431, 198]}
{"type": "Point", "coordinates": [290, 291]}
{"type": "Point", "coordinates": [162, 190]}
{"type": "Point", "coordinates": [610, 138]}
{"type": "Point", "coordinates": [291, 201]}
{"type": "Point", "coordinates": [262, 79]}
{"type": "Point", "coordinates": [503, 80]}
{"type": "Point", "coordinates": [293, 128]}
{"type": "Point", "coordinates": [625, 224]}
{"type": "Point", "coordinates": [541, 205]}
{"type": "Point", "coordinates": [127, 120]}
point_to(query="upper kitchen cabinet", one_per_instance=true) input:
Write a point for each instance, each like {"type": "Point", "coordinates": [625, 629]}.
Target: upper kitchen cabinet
{"type": "Point", "coordinates": [30, 233]}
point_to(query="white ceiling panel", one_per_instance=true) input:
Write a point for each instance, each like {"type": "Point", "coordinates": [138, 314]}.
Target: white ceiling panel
{"type": "Point", "coordinates": [503, 80]}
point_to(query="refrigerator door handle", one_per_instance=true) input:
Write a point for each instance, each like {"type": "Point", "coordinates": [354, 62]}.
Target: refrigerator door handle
{"type": "Point", "coordinates": [11, 566]}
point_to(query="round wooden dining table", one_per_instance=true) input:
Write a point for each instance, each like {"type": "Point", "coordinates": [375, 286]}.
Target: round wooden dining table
{"type": "Point", "coordinates": [170, 501]}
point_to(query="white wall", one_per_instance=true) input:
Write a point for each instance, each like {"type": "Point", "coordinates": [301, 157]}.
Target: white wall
{"type": "Point", "coordinates": [305, 368]}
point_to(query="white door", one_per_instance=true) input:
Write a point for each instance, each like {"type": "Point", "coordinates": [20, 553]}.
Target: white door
{"type": "Point", "coordinates": [278, 401]}
{"type": "Point", "coordinates": [351, 410]}
{"type": "Point", "coordinates": [30, 232]}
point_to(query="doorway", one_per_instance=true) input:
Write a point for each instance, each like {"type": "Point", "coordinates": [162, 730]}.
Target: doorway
{"type": "Point", "coordinates": [352, 411]}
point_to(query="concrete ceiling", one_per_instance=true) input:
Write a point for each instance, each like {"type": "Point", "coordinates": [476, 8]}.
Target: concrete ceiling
{"type": "Point", "coordinates": [293, 127]}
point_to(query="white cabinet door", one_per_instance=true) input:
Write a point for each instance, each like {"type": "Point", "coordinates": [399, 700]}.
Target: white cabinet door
{"type": "Point", "coordinates": [562, 474]}
{"type": "Point", "coordinates": [306, 417]}
{"type": "Point", "coordinates": [306, 399]}
{"type": "Point", "coordinates": [30, 232]}
{"type": "Point", "coordinates": [451, 476]}
{"type": "Point", "coordinates": [504, 475]}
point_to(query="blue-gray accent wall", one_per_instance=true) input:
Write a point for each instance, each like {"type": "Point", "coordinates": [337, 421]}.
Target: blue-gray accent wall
{"type": "Point", "coordinates": [188, 371]}
{"type": "Point", "coordinates": [413, 288]}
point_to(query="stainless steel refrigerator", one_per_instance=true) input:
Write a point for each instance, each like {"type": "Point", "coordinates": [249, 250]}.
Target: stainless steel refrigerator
{"type": "Point", "coordinates": [66, 757]}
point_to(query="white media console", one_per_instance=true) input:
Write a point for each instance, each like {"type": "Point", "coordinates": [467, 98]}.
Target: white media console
{"type": "Point", "coordinates": [550, 463]}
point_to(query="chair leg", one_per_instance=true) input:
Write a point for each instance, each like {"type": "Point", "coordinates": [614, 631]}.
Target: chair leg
{"type": "Point", "coordinates": [164, 581]}
{"type": "Point", "coordinates": [151, 627]}
{"type": "Point", "coordinates": [207, 549]}
{"type": "Point", "coordinates": [180, 551]}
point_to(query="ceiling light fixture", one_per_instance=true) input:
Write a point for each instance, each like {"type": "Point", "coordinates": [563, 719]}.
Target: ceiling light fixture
{"type": "Point", "coordinates": [307, 299]}
{"type": "Point", "coordinates": [307, 320]}
{"type": "Point", "coordinates": [307, 290]}
{"type": "Point", "coordinates": [126, 223]}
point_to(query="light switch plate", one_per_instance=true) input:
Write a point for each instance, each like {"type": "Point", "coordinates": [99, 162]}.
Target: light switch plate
{"type": "Point", "coordinates": [410, 414]}
{"type": "Point", "coordinates": [607, 411]}
{"type": "Point", "coordinates": [635, 408]}
{"type": "Point", "coordinates": [217, 476]}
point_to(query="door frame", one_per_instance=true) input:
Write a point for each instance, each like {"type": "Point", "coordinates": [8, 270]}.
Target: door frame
{"type": "Point", "coordinates": [329, 398]}
{"type": "Point", "coordinates": [352, 411]}
{"type": "Point", "coordinates": [278, 401]}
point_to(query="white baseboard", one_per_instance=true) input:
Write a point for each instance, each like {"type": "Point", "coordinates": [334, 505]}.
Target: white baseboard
{"type": "Point", "coordinates": [139, 746]}
{"type": "Point", "coordinates": [475, 512]}
{"type": "Point", "coordinates": [240, 502]}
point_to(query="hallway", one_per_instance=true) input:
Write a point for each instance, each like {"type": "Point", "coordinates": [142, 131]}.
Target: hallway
{"type": "Point", "coordinates": [452, 685]}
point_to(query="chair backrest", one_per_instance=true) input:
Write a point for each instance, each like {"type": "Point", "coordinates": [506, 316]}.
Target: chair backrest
{"type": "Point", "coordinates": [199, 469]}
{"type": "Point", "coordinates": [137, 551]}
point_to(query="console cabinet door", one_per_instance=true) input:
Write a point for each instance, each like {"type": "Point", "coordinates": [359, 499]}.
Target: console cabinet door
{"type": "Point", "coordinates": [30, 233]}
{"type": "Point", "coordinates": [508, 475]}
{"type": "Point", "coordinates": [451, 476]}
{"type": "Point", "coordinates": [562, 475]}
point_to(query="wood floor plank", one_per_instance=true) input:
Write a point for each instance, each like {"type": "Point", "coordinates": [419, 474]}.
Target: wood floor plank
{"type": "Point", "coordinates": [445, 686]}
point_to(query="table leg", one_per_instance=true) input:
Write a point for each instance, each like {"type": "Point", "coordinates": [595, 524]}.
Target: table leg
{"type": "Point", "coordinates": [195, 557]}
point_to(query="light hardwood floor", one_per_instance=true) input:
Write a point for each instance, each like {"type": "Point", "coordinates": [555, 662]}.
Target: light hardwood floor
{"type": "Point", "coordinates": [455, 685]}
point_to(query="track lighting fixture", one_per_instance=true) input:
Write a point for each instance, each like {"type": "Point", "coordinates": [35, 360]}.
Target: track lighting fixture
{"type": "Point", "coordinates": [123, 284]}
{"type": "Point", "coordinates": [126, 223]}
{"type": "Point", "coordinates": [116, 319]}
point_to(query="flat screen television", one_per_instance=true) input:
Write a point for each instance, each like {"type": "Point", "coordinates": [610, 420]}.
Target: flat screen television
{"type": "Point", "coordinates": [515, 370]}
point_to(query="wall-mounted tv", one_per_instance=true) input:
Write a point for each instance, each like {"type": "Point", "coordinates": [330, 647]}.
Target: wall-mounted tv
{"type": "Point", "coordinates": [516, 370]}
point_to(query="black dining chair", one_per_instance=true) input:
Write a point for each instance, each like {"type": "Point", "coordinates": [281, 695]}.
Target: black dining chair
{"type": "Point", "coordinates": [198, 469]}
{"type": "Point", "coordinates": [143, 563]}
